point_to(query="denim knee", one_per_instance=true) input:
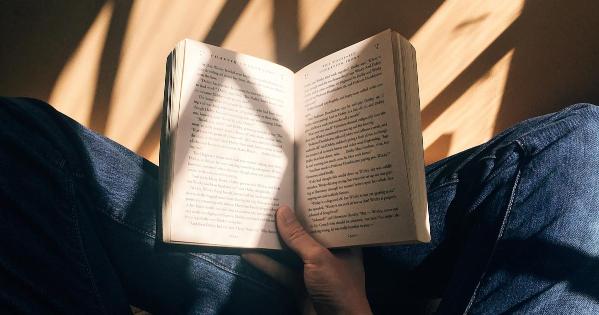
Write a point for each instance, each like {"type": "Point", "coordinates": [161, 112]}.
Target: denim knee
{"type": "Point", "coordinates": [570, 133]}
{"type": "Point", "coordinates": [27, 114]}
{"type": "Point", "coordinates": [587, 113]}
{"type": "Point", "coordinates": [561, 170]}
{"type": "Point", "coordinates": [34, 131]}
{"type": "Point", "coordinates": [583, 141]}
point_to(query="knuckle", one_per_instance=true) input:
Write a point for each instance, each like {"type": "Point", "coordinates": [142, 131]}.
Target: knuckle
{"type": "Point", "coordinates": [296, 233]}
{"type": "Point", "coordinates": [317, 257]}
{"type": "Point", "coordinates": [320, 252]}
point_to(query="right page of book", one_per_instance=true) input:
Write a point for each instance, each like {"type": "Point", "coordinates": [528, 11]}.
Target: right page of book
{"type": "Point", "coordinates": [351, 182]}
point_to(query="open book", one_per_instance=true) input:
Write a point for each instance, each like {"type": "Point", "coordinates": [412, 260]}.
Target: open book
{"type": "Point", "coordinates": [338, 141]}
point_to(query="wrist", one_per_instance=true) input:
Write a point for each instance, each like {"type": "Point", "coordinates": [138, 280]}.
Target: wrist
{"type": "Point", "coordinates": [359, 307]}
{"type": "Point", "coordinates": [350, 306]}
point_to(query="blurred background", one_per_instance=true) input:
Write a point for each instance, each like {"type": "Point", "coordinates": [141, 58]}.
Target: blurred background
{"type": "Point", "coordinates": [482, 65]}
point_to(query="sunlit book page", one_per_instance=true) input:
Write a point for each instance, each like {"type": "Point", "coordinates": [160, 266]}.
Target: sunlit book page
{"type": "Point", "coordinates": [233, 165]}
{"type": "Point", "coordinates": [339, 140]}
{"type": "Point", "coordinates": [352, 183]}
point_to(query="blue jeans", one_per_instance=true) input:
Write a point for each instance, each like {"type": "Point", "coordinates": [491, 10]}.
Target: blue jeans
{"type": "Point", "coordinates": [514, 223]}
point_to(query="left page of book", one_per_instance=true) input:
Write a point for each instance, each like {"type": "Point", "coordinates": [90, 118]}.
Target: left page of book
{"type": "Point", "coordinates": [233, 159]}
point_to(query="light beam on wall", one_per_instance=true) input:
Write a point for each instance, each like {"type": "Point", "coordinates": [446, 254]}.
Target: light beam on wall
{"type": "Point", "coordinates": [74, 90]}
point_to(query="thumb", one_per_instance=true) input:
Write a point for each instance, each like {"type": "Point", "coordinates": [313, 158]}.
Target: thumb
{"type": "Point", "coordinates": [296, 237]}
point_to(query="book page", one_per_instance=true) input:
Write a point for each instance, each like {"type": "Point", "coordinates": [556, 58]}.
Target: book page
{"type": "Point", "coordinates": [233, 163]}
{"type": "Point", "coordinates": [352, 187]}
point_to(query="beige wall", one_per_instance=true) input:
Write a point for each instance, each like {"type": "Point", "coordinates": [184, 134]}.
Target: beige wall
{"type": "Point", "coordinates": [483, 65]}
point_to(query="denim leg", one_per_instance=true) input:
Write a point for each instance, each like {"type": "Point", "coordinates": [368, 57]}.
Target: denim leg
{"type": "Point", "coordinates": [514, 223]}
{"type": "Point", "coordinates": [546, 256]}
{"type": "Point", "coordinates": [49, 261]}
{"type": "Point", "coordinates": [78, 222]}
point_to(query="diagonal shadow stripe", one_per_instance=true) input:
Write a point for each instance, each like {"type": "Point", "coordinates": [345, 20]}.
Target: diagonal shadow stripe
{"type": "Point", "coordinates": [228, 15]}
{"type": "Point", "coordinates": [222, 25]}
{"type": "Point", "coordinates": [352, 21]}
{"type": "Point", "coordinates": [109, 63]}
{"type": "Point", "coordinates": [470, 75]}
{"type": "Point", "coordinates": [285, 25]}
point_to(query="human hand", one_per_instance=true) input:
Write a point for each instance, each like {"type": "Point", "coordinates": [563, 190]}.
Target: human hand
{"type": "Point", "coordinates": [334, 279]}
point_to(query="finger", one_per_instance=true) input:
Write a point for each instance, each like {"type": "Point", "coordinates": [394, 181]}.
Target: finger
{"type": "Point", "coordinates": [296, 237]}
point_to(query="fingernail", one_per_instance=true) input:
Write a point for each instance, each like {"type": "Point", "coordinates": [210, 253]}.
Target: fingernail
{"type": "Point", "coordinates": [288, 216]}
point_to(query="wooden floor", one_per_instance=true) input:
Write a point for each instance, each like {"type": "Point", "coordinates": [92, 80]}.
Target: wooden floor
{"type": "Point", "coordinates": [483, 65]}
